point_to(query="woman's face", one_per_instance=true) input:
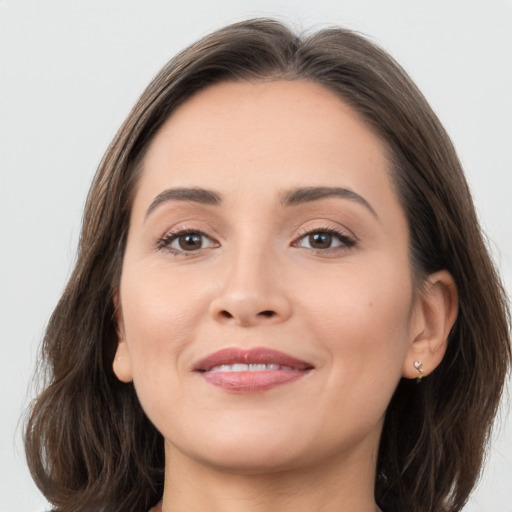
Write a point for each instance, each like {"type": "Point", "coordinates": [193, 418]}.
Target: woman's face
{"type": "Point", "coordinates": [266, 302]}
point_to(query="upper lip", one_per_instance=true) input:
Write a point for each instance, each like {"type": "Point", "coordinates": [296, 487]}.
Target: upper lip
{"type": "Point", "coordinates": [259, 355]}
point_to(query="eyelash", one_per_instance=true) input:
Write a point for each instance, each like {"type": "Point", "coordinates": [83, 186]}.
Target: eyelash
{"type": "Point", "coordinates": [347, 242]}
{"type": "Point", "coordinates": [165, 242]}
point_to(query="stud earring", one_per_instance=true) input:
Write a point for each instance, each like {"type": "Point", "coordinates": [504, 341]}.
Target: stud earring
{"type": "Point", "coordinates": [419, 366]}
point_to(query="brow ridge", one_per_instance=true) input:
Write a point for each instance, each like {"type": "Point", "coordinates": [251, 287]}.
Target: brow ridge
{"type": "Point", "coordinates": [194, 194]}
{"type": "Point", "coordinates": [293, 197]}
{"type": "Point", "coordinates": [309, 194]}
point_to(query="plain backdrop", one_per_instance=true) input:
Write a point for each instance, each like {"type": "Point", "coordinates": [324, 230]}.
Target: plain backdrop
{"type": "Point", "coordinates": [71, 70]}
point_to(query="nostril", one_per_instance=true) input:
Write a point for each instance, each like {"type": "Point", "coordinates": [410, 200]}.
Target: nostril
{"type": "Point", "coordinates": [226, 314]}
{"type": "Point", "coordinates": [267, 313]}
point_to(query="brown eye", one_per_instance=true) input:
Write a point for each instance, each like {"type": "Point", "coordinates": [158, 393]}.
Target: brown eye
{"type": "Point", "coordinates": [325, 241]}
{"type": "Point", "coordinates": [320, 240]}
{"type": "Point", "coordinates": [190, 242]}
{"type": "Point", "coordinates": [186, 241]}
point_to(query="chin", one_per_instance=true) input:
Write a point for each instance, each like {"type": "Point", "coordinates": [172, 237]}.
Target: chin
{"type": "Point", "coordinates": [251, 461]}
{"type": "Point", "coordinates": [252, 448]}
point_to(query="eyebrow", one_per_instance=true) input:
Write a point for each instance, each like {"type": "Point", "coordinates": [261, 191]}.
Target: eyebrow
{"type": "Point", "coordinates": [309, 194]}
{"type": "Point", "coordinates": [292, 198]}
{"type": "Point", "coordinates": [195, 195]}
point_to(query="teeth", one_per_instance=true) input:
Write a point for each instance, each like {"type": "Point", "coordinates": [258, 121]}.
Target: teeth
{"type": "Point", "coordinates": [241, 367]}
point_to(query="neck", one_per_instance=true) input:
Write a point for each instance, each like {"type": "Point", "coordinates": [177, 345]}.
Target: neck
{"type": "Point", "coordinates": [333, 486]}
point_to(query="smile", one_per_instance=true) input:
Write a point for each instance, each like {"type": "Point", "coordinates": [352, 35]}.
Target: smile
{"type": "Point", "coordinates": [253, 370]}
{"type": "Point", "coordinates": [249, 368]}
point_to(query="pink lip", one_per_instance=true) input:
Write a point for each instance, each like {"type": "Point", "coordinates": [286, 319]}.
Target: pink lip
{"type": "Point", "coordinates": [251, 381]}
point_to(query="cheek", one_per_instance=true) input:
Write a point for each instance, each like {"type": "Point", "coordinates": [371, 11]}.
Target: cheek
{"type": "Point", "coordinates": [361, 315]}
{"type": "Point", "coordinates": [161, 312]}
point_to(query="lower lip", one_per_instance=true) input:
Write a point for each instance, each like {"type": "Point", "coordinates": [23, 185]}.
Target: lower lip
{"type": "Point", "coordinates": [252, 382]}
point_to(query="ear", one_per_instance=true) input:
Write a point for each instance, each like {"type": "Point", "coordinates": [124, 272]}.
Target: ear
{"type": "Point", "coordinates": [122, 365]}
{"type": "Point", "coordinates": [434, 314]}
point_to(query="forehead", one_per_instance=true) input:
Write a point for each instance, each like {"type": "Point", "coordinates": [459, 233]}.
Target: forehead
{"type": "Point", "coordinates": [279, 115]}
{"type": "Point", "coordinates": [264, 137]}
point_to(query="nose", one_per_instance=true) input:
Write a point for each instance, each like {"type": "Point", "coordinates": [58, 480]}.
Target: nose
{"type": "Point", "coordinates": [250, 293]}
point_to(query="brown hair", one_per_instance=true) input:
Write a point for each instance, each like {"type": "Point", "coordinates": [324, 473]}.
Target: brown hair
{"type": "Point", "coordinates": [89, 444]}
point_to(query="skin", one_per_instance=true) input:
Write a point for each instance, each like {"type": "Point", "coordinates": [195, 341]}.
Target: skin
{"type": "Point", "coordinates": [350, 310]}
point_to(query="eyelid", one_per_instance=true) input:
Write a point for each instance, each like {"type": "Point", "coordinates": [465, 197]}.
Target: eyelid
{"type": "Point", "coordinates": [348, 240]}
{"type": "Point", "coordinates": [164, 242]}
{"type": "Point", "coordinates": [325, 225]}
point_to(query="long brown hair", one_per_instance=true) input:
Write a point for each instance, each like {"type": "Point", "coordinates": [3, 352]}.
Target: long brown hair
{"type": "Point", "coordinates": [90, 446]}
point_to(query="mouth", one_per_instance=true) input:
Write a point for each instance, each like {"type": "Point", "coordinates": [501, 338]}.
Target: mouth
{"type": "Point", "coordinates": [251, 370]}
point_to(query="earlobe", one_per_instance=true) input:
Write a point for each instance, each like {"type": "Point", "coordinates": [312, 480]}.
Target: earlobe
{"type": "Point", "coordinates": [122, 364]}
{"type": "Point", "coordinates": [434, 316]}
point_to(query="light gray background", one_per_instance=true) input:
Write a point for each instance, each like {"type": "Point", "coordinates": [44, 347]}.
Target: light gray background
{"type": "Point", "coordinates": [71, 70]}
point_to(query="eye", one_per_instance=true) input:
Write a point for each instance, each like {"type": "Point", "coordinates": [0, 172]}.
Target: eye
{"type": "Point", "coordinates": [184, 241]}
{"type": "Point", "coordinates": [324, 240]}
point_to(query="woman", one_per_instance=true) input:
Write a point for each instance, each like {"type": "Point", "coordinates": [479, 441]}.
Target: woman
{"type": "Point", "coordinates": [282, 299]}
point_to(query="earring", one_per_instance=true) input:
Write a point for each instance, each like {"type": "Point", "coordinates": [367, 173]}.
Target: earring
{"type": "Point", "coordinates": [419, 366]}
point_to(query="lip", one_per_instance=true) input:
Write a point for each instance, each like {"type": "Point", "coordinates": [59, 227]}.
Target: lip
{"type": "Point", "coordinates": [255, 380]}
